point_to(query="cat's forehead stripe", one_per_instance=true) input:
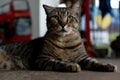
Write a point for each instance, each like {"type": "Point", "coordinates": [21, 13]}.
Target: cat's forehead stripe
{"type": "Point", "coordinates": [62, 9]}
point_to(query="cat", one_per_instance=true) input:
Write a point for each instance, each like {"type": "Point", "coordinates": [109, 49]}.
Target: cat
{"type": "Point", "coordinates": [61, 49]}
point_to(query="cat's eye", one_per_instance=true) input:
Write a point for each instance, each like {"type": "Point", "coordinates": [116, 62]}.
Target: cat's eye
{"type": "Point", "coordinates": [56, 16]}
{"type": "Point", "coordinates": [70, 18]}
{"type": "Point", "coordinates": [54, 20]}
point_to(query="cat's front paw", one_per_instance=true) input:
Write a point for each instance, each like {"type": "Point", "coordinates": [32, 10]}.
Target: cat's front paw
{"type": "Point", "coordinates": [73, 67]}
{"type": "Point", "coordinates": [111, 68]}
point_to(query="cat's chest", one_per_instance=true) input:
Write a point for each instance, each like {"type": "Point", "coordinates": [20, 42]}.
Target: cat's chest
{"type": "Point", "coordinates": [66, 53]}
{"type": "Point", "coordinates": [64, 50]}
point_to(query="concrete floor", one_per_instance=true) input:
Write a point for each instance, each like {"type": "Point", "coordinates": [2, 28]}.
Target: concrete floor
{"type": "Point", "coordinates": [44, 75]}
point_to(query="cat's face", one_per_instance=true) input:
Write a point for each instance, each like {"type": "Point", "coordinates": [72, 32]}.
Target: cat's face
{"type": "Point", "coordinates": [61, 21]}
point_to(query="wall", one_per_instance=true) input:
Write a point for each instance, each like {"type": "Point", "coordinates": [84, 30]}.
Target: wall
{"type": "Point", "coordinates": [34, 7]}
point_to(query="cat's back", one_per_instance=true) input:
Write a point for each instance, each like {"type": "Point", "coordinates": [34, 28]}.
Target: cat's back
{"type": "Point", "coordinates": [20, 48]}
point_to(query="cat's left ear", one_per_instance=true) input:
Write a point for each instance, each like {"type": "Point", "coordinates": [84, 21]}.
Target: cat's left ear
{"type": "Point", "coordinates": [48, 9]}
{"type": "Point", "coordinates": [75, 9]}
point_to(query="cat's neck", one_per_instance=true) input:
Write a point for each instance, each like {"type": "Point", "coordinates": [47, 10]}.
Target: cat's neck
{"type": "Point", "coordinates": [73, 37]}
{"type": "Point", "coordinates": [64, 42]}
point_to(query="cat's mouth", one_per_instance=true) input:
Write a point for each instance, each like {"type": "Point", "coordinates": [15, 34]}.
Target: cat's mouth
{"type": "Point", "coordinates": [64, 32]}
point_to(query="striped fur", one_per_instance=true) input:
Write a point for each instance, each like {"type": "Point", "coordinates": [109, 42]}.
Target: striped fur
{"type": "Point", "coordinates": [61, 49]}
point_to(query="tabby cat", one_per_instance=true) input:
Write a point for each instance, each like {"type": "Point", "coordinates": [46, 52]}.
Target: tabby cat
{"type": "Point", "coordinates": [61, 49]}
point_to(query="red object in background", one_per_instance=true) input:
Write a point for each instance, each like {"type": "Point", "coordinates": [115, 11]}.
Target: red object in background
{"type": "Point", "coordinates": [87, 12]}
{"type": "Point", "coordinates": [15, 22]}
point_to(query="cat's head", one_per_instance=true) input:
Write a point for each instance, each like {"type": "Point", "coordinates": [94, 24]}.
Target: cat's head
{"type": "Point", "coordinates": [61, 21]}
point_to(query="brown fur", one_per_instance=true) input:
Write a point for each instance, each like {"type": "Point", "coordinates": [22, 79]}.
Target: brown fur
{"type": "Point", "coordinates": [5, 61]}
{"type": "Point", "coordinates": [61, 49]}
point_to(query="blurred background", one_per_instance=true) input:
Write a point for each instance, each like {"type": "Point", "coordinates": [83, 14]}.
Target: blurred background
{"type": "Point", "coordinates": [22, 20]}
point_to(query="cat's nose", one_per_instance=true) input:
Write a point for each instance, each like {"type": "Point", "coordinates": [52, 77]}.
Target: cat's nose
{"type": "Point", "coordinates": [63, 22]}
{"type": "Point", "coordinates": [63, 25]}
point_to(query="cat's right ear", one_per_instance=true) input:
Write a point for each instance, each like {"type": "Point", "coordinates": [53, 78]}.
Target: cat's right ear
{"type": "Point", "coordinates": [48, 9]}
